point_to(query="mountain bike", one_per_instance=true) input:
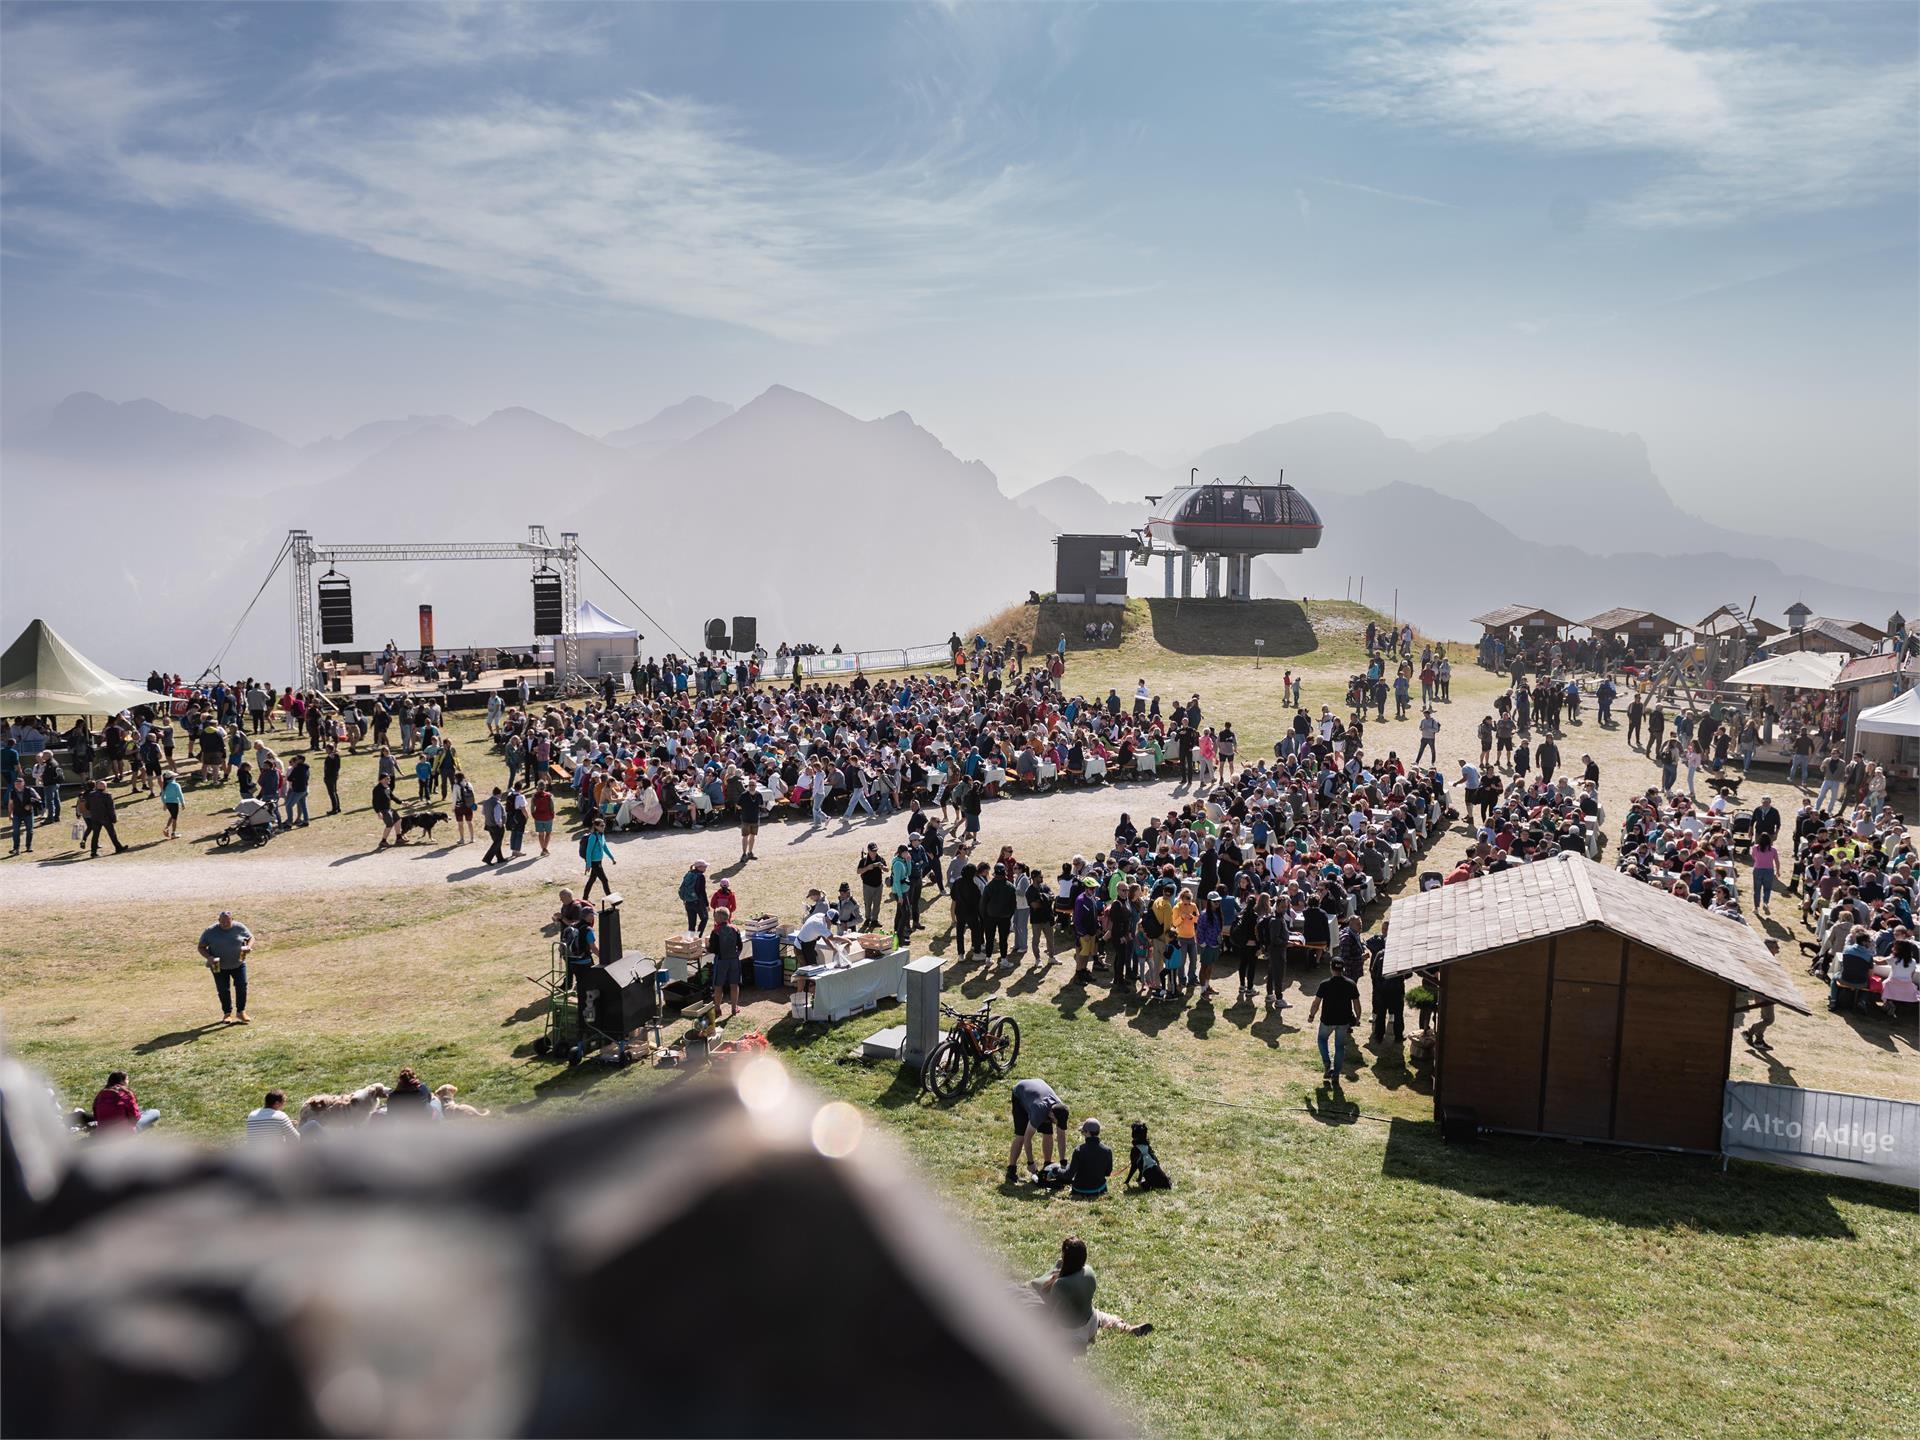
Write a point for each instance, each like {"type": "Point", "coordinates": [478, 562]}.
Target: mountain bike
{"type": "Point", "coordinates": [974, 1039]}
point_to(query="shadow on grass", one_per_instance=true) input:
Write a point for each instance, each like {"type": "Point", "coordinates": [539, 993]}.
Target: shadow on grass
{"type": "Point", "coordinates": [1644, 1189]}
{"type": "Point", "coordinates": [1229, 627]}
{"type": "Point", "coordinates": [178, 1037]}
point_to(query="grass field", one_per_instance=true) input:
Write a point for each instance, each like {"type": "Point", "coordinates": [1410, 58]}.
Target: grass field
{"type": "Point", "coordinates": [1324, 1262]}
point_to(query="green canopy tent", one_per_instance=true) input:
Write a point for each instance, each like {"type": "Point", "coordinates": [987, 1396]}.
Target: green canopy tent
{"type": "Point", "coordinates": [41, 674]}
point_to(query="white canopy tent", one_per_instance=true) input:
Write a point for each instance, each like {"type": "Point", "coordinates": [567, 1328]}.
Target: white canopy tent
{"type": "Point", "coordinates": [1800, 670]}
{"type": "Point", "coordinates": [1899, 716]}
{"type": "Point", "coordinates": [606, 646]}
{"type": "Point", "coordinates": [41, 674]}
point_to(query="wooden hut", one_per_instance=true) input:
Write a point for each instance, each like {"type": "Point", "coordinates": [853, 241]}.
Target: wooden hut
{"type": "Point", "coordinates": [1527, 621]}
{"type": "Point", "coordinates": [1640, 631]}
{"type": "Point", "coordinates": [1577, 1002]}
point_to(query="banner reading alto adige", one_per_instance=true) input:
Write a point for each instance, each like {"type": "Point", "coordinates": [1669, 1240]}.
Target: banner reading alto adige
{"type": "Point", "coordinates": [1839, 1134]}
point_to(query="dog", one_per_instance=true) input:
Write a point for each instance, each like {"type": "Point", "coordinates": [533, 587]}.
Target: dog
{"type": "Point", "coordinates": [423, 822]}
{"type": "Point", "coordinates": [1144, 1163]}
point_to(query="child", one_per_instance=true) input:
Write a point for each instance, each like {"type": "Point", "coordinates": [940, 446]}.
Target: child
{"type": "Point", "coordinates": [423, 773]}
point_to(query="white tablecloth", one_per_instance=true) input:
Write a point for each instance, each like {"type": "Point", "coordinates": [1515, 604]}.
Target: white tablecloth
{"type": "Point", "coordinates": [1048, 770]}
{"type": "Point", "coordinates": [1143, 762]}
{"type": "Point", "coordinates": [1096, 767]}
{"type": "Point", "coordinates": [840, 991]}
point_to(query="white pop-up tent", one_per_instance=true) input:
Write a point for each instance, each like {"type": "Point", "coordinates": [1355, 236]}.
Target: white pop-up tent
{"type": "Point", "coordinates": [1798, 670]}
{"type": "Point", "coordinates": [1899, 716]}
{"type": "Point", "coordinates": [606, 646]}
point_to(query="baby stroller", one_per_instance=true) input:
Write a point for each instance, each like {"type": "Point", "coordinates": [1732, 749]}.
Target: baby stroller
{"type": "Point", "coordinates": [252, 826]}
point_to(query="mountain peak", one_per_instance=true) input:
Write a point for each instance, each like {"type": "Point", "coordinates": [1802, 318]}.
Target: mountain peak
{"type": "Point", "coordinates": [669, 427]}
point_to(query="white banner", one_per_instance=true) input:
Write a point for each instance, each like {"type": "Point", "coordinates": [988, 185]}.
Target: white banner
{"type": "Point", "coordinates": [1823, 1130]}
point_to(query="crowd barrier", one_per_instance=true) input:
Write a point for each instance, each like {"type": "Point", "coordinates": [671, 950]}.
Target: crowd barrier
{"type": "Point", "coordinates": [868, 662]}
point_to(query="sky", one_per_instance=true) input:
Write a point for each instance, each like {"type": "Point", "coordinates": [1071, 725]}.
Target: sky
{"type": "Point", "coordinates": [1045, 231]}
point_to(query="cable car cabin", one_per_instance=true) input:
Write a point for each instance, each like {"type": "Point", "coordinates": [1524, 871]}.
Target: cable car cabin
{"type": "Point", "coordinates": [1239, 519]}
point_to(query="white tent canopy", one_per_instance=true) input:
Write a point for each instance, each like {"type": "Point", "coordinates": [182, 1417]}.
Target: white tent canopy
{"type": "Point", "coordinates": [1801, 670]}
{"type": "Point", "coordinates": [595, 621]}
{"type": "Point", "coordinates": [1898, 716]}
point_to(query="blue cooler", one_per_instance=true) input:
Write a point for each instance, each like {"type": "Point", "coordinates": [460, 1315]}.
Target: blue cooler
{"type": "Point", "coordinates": [767, 974]}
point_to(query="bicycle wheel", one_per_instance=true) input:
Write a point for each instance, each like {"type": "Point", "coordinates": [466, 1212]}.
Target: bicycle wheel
{"type": "Point", "coordinates": [1004, 1040]}
{"type": "Point", "coordinates": [945, 1073]}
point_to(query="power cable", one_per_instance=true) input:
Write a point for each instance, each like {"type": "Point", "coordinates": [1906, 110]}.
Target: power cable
{"type": "Point", "coordinates": [234, 634]}
{"type": "Point", "coordinates": [679, 645]}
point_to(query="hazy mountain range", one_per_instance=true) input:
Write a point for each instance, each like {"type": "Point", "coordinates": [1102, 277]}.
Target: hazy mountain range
{"type": "Point", "coordinates": [825, 526]}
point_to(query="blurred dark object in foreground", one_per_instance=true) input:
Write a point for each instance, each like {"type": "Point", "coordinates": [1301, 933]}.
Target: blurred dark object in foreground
{"type": "Point", "coordinates": [695, 1265]}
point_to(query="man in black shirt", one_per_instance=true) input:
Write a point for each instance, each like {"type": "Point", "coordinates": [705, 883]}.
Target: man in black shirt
{"type": "Point", "coordinates": [1336, 1004]}
{"type": "Point", "coordinates": [1036, 1110]}
{"type": "Point", "coordinates": [330, 776]}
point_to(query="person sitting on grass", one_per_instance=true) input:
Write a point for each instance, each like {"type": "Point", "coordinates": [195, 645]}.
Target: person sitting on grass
{"type": "Point", "coordinates": [1092, 1163]}
{"type": "Point", "coordinates": [1068, 1290]}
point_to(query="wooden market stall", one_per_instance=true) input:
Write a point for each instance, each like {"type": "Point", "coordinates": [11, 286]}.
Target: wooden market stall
{"type": "Point", "coordinates": [1577, 1002]}
{"type": "Point", "coordinates": [1641, 632]}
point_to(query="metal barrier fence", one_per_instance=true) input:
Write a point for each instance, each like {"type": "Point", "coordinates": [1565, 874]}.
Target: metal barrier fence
{"type": "Point", "coordinates": [913, 657]}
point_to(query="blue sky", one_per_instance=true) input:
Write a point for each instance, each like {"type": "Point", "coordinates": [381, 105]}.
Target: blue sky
{"type": "Point", "coordinates": [1045, 231]}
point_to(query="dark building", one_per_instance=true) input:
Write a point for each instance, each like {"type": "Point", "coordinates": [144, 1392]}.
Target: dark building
{"type": "Point", "coordinates": [1092, 569]}
{"type": "Point", "coordinates": [1575, 1001]}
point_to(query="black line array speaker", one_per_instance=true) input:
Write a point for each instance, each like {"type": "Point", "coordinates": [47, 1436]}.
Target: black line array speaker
{"type": "Point", "coordinates": [746, 632]}
{"type": "Point", "coordinates": [717, 635]}
{"type": "Point", "coordinates": [546, 603]}
{"type": "Point", "coordinates": [336, 609]}
{"type": "Point", "coordinates": [619, 998]}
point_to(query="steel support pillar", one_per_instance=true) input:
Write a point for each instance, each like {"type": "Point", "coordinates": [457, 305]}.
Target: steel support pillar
{"type": "Point", "coordinates": [1186, 574]}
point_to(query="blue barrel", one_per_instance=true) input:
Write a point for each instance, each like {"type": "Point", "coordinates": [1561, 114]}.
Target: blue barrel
{"type": "Point", "coordinates": [766, 949]}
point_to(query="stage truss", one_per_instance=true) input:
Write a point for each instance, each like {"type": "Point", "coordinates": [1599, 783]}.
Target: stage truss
{"type": "Point", "coordinates": [536, 549]}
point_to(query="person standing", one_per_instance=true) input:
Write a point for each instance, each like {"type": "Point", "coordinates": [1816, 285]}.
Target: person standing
{"type": "Point", "coordinates": [724, 945]}
{"type": "Point", "coordinates": [900, 885]}
{"type": "Point", "coordinates": [225, 946]}
{"type": "Point", "coordinates": [873, 877]}
{"type": "Point", "coordinates": [23, 802]}
{"type": "Point", "coordinates": [1336, 1005]}
{"type": "Point", "coordinates": [750, 805]}
{"type": "Point", "coordinates": [330, 777]}
{"type": "Point", "coordinates": [97, 805]}
{"type": "Point", "coordinates": [493, 815]}
{"type": "Point", "coordinates": [299, 778]}
{"type": "Point", "coordinates": [383, 808]}
{"type": "Point", "coordinates": [594, 853]}
{"type": "Point", "coordinates": [1389, 991]}
{"type": "Point", "coordinates": [518, 812]}
{"type": "Point", "coordinates": [540, 806]}
{"type": "Point", "coordinates": [270, 1124]}
{"type": "Point", "coordinates": [1429, 738]}
{"type": "Point", "coordinates": [693, 896]}
{"type": "Point", "coordinates": [1766, 867]}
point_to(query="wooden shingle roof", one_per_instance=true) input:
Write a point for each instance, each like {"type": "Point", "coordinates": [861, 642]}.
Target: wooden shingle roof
{"type": "Point", "coordinates": [1513, 614]}
{"type": "Point", "coordinates": [1623, 618]}
{"type": "Point", "coordinates": [1567, 893]}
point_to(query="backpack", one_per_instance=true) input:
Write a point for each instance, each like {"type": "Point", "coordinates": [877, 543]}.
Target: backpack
{"type": "Point", "coordinates": [583, 844]}
{"type": "Point", "coordinates": [1150, 924]}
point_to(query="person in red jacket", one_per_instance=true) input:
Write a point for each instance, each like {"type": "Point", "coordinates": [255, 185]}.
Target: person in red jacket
{"type": "Point", "coordinates": [114, 1108]}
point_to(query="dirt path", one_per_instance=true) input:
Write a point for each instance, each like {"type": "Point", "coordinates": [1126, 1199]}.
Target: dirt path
{"type": "Point", "coordinates": [1032, 824]}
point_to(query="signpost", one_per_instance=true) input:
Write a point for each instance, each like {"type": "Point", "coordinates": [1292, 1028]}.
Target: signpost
{"type": "Point", "coordinates": [1258, 646]}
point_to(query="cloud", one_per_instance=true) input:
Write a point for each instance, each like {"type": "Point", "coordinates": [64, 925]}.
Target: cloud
{"type": "Point", "coordinates": [643, 199]}
{"type": "Point", "coordinates": [1303, 203]}
{"type": "Point", "coordinates": [1383, 194]}
{"type": "Point", "coordinates": [416, 36]}
{"type": "Point", "coordinates": [1735, 122]}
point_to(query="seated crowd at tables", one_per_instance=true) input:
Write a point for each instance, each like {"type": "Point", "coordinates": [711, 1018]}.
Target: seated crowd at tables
{"type": "Point", "coordinates": [1855, 875]}
{"type": "Point", "coordinates": [873, 746]}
